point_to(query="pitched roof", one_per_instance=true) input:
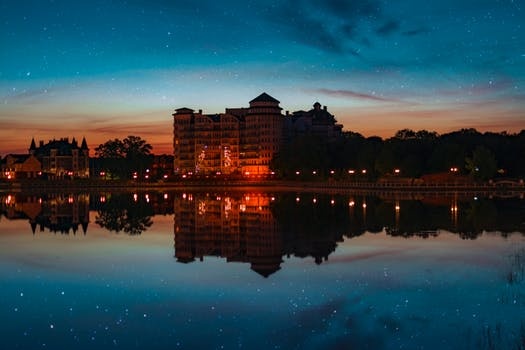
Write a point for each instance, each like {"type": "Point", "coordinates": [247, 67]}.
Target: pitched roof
{"type": "Point", "coordinates": [184, 110]}
{"type": "Point", "coordinates": [84, 144]}
{"type": "Point", "coordinates": [264, 97]}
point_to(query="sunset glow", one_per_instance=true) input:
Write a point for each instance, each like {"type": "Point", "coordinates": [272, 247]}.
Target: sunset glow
{"type": "Point", "coordinates": [378, 66]}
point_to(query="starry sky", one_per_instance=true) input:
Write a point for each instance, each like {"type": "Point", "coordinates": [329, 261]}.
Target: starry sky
{"type": "Point", "coordinates": [111, 68]}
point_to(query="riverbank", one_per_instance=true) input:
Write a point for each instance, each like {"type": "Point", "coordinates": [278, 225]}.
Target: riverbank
{"type": "Point", "coordinates": [502, 186]}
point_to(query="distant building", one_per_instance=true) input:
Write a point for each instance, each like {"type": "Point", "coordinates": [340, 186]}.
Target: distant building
{"type": "Point", "coordinates": [316, 122]}
{"type": "Point", "coordinates": [20, 166]}
{"type": "Point", "coordinates": [61, 158]}
{"type": "Point", "coordinates": [241, 140]}
{"type": "Point", "coordinates": [161, 166]}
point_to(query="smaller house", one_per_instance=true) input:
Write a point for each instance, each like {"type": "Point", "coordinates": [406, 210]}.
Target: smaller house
{"type": "Point", "coordinates": [20, 166]}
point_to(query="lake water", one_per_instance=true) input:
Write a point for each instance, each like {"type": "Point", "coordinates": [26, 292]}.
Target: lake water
{"type": "Point", "coordinates": [249, 269]}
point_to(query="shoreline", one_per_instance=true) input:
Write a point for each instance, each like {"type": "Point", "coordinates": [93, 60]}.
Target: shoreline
{"type": "Point", "coordinates": [503, 188]}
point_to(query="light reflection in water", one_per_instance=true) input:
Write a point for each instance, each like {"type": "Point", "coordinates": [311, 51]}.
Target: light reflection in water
{"type": "Point", "coordinates": [391, 274]}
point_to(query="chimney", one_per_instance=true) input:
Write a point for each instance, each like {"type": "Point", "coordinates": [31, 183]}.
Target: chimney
{"type": "Point", "coordinates": [324, 107]}
{"type": "Point", "coordinates": [200, 111]}
{"type": "Point", "coordinates": [41, 143]}
{"type": "Point", "coordinates": [287, 113]}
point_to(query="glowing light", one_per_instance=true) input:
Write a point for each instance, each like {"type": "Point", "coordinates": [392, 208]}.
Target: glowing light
{"type": "Point", "coordinates": [297, 172]}
{"type": "Point", "coordinates": [397, 171]}
{"type": "Point", "coordinates": [332, 172]}
{"type": "Point", "coordinates": [363, 171]}
{"type": "Point", "coordinates": [242, 207]}
{"type": "Point", "coordinates": [70, 200]}
{"type": "Point", "coordinates": [184, 196]}
{"type": "Point", "coordinates": [272, 199]}
{"type": "Point", "coordinates": [102, 199]}
{"type": "Point", "coordinates": [165, 196]}
{"type": "Point", "coordinates": [165, 176]}
{"type": "Point", "coordinates": [364, 205]}
{"type": "Point", "coordinates": [314, 172]}
{"type": "Point", "coordinates": [351, 203]}
{"type": "Point", "coordinates": [351, 171]}
{"type": "Point", "coordinates": [297, 199]}
{"type": "Point", "coordinates": [332, 202]}
{"type": "Point", "coordinates": [135, 197]}
{"type": "Point", "coordinates": [398, 207]}
{"type": "Point", "coordinates": [147, 198]}
{"type": "Point", "coordinates": [314, 200]}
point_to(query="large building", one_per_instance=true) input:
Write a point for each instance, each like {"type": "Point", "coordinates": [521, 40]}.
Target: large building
{"type": "Point", "coordinates": [61, 158]}
{"type": "Point", "coordinates": [242, 140]}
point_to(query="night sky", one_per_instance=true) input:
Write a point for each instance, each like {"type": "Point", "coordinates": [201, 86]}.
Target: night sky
{"type": "Point", "coordinates": [109, 68]}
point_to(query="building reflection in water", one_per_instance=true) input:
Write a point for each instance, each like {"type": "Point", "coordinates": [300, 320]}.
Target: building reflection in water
{"type": "Point", "coordinates": [254, 228]}
{"type": "Point", "coordinates": [58, 213]}
{"type": "Point", "coordinates": [239, 227]}
{"type": "Point", "coordinates": [263, 228]}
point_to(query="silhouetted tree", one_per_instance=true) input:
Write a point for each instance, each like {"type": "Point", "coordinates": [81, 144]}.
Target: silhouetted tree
{"type": "Point", "coordinates": [122, 158]}
{"type": "Point", "coordinates": [482, 164]}
{"type": "Point", "coordinates": [121, 213]}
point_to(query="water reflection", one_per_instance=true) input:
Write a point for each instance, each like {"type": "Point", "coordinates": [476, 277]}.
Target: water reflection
{"type": "Point", "coordinates": [57, 213]}
{"type": "Point", "coordinates": [261, 228]}
{"type": "Point", "coordinates": [125, 212]}
{"type": "Point", "coordinates": [394, 271]}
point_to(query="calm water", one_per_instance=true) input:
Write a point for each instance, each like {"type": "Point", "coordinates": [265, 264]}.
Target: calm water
{"type": "Point", "coordinates": [261, 270]}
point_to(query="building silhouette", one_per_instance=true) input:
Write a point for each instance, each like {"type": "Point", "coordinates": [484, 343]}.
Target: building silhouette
{"type": "Point", "coordinates": [242, 140]}
{"type": "Point", "coordinates": [61, 158]}
{"type": "Point", "coordinates": [317, 122]}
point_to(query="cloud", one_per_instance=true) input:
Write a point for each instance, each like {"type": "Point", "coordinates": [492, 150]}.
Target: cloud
{"type": "Point", "coordinates": [388, 28]}
{"type": "Point", "coordinates": [417, 31]}
{"type": "Point", "coordinates": [332, 26]}
{"type": "Point", "coordinates": [355, 94]}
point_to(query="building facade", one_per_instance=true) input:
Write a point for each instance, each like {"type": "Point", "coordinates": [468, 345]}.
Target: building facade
{"type": "Point", "coordinates": [20, 166]}
{"type": "Point", "coordinates": [239, 141]}
{"type": "Point", "coordinates": [61, 158]}
{"type": "Point", "coordinates": [242, 140]}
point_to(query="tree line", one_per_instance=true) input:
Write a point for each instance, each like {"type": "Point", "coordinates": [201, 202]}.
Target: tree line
{"type": "Point", "coordinates": [408, 153]}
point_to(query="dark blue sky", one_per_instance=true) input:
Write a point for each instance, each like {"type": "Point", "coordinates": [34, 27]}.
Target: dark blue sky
{"type": "Point", "coordinates": [112, 68]}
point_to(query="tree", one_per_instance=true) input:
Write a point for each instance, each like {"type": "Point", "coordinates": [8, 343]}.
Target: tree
{"type": "Point", "coordinates": [482, 165]}
{"type": "Point", "coordinates": [123, 158]}
{"type": "Point", "coordinates": [111, 155]}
